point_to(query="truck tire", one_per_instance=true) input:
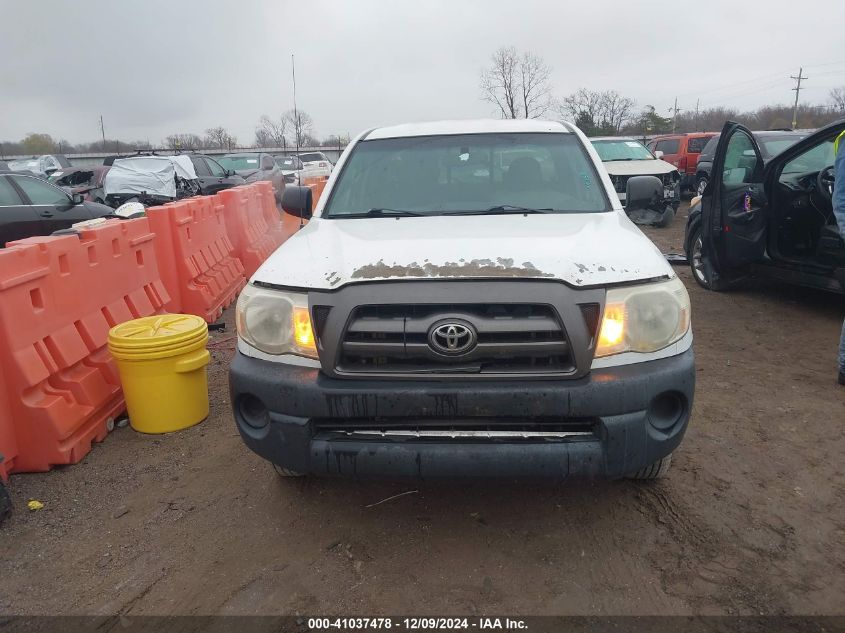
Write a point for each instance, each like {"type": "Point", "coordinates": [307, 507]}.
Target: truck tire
{"type": "Point", "coordinates": [281, 471]}
{"type": "Point", "coordinates": [5, 503]}
{"type": "Point", "coordinates": [697, 266]}
{"type": "Point", "coordinates": [653, 471]}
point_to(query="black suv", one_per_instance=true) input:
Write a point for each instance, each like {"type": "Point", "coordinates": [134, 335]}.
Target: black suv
{"type": "Point", "coordinates": [771, 217]}
{"type": "Point", "coordinates": [212, 177]}
{"type": "Point", "coordinates": [771, 142]}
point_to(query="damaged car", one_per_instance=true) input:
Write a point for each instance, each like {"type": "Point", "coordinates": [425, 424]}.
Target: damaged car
{"type": "Point", "coordinates": [41, 166]}
{"type": "Point", "coordinates": [768, 216]}
{"type": "Point", "coordinates": [255, 167]}
{"type": "Point", "coordinates": [150, 180]}
{"type": "Point", "coordinates": [626, 157]}
{"type": "Point", "coordinates": [476, 304]}
{"type": "Point", "coordinates": [87, 181]}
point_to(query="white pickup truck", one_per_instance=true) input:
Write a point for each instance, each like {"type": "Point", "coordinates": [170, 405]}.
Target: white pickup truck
{"type": "Point", "coordinates": [468, 299]}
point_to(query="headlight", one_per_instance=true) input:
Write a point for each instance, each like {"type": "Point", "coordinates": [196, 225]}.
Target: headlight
{"type": "Point", "coordinates": [275, 322]}
{"type": "Point", "coordinates": [644, 318]}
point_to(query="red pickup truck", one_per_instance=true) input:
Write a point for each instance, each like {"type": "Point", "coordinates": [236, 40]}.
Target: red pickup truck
{"type": "Point", "coordinates": [682, 151]}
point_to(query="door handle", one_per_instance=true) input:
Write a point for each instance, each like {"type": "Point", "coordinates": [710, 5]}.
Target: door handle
{"type": "Point", "coordinates": [46, 214]}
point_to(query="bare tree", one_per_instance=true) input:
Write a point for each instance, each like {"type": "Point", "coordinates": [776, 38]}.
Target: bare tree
{"type": "Point", "coordinates": [219, 137]}
{"type": "Point", "coordinates": [302, 125]}
{"type": "Point", "coordinates": [184, 141]}
{"type": "Point", "coordinates": [500, 83]}
{"type": "Point", "coordinates": [837, 99]}
{"type": "Point", "coordinates": [616, 110]}
{"type": "Point", "coordinates": [272, 133]}
{"type": "Point", "coordinates": [598, 112]}
{"type": "Point", "coordinates": [584, 107]}
{"type": "Point", "coordinates": [534, 85]}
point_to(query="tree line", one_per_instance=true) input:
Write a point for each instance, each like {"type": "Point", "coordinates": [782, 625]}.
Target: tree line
{"type": "Point", "coordinates": [518, 85]}
{"type": "Point", "coordinates": [291, 129]}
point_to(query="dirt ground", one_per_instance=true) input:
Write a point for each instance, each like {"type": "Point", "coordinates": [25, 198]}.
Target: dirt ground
{"type": "Point", "coordinates": [751, 519]}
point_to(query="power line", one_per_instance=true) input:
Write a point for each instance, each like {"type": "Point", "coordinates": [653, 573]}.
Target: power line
{"type": "Point", "coordinates": [797, 90]}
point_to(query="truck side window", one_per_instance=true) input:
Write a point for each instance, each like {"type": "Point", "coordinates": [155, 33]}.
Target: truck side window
{"type": "Point", "coordinates": [667, 146]}
{"type": "Point", "coordinates": [740, 159]}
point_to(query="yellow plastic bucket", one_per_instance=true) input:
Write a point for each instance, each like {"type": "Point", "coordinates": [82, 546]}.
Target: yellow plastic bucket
{"type": "Point", "coordinates": [162, 363]}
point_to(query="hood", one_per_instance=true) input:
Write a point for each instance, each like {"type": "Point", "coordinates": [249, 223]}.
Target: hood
{"type": "Point", "coordinates": [580, 249]}
{"type": "Point", "coordinates": [639, 167]}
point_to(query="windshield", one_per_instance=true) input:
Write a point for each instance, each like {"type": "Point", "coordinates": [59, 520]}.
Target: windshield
{"type": "Point", "coordinates": [613, 149]}
{"type": "Point", "coordinates": [241, 161]}
{"type": "Point", "coordinates": [473, 173]}
{"type": "Point", "coordinates": [772, 146]}
{"type": "Point", "coordinates": [308, 158]}
{"type": "Point", "coordinates": [23, 165]}
{"type": "Point", "coordinates": [814, 159]}
{"type": "Point", "coordinates": [286, 163]}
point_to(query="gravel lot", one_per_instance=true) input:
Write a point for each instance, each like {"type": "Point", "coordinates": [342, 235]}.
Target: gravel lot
{"type": "Point", "coordinates": [751, 519]}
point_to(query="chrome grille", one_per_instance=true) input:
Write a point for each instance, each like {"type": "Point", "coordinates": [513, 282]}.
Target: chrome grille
{"type": "Point", "coordinates": [511, 338]}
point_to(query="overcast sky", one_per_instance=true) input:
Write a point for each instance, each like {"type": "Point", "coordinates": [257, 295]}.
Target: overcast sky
{"type": "Point", "coordinates": [153, 68]}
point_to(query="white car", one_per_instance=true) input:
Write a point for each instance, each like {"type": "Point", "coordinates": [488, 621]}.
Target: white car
{"type": "Point", "coordinates": [316, 165]}
{"type": "Point", "coordinates": [468, 299]}
{"type": "Point", "coordinates": [624, 157]}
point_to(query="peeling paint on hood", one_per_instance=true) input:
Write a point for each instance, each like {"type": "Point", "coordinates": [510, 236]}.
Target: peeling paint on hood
{"type": "Point", "coordinates": [581, 249]}
{"type": "Point", "coordinates": [475, 268]}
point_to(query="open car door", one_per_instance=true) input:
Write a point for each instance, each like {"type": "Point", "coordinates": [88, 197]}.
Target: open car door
{"type": "Point", "coordinates": [733, 207]}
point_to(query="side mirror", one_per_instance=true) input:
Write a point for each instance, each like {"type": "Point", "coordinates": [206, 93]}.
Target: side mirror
{"type": "Point", "coordinates": [77, 198]}
{"type": "Point", "coordinates": [229, 172]}
{"type": "Point", "coordinates": [298, 201]}
{"type": "Point", "coordinates": [643, 192]}
{"type": "Point", "coordinates": [658, 154]}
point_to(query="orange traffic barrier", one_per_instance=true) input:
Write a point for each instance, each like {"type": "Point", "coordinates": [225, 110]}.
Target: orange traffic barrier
{"type": "Point", "coordinates": [58, 298]}
{"type": "Point", "coordinates": [253, 230]}
{"type": "Point", "coordinates": [317, 185]}
{"type": "Point", "coordinates": [194, 254]}
{"type": "Point", "coordinates": [8, 441]}
{"type": "Point", "coordinates": [289, 224]}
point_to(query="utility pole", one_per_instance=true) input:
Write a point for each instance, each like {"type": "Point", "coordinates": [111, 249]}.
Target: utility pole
{"type": "Point", "coordinates": [696, 116]}
{"type": "Point", "coordinates": [295, 113]}
{"type": "Point", "coordinates": [103, 132]}
{"type": "Point", "coordinates": [797, 90]}
{"type": "Point", "coordinates": [675, 111]}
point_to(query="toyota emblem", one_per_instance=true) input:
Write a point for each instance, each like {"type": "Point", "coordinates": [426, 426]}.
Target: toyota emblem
{"type": "Point", "coordinates": [452, 338]}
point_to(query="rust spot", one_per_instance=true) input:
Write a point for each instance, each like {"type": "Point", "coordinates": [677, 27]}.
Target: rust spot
{"type": "Point", "coordinates": [475, 268]}
{"type": "Point", "coordinates": [333, 278]}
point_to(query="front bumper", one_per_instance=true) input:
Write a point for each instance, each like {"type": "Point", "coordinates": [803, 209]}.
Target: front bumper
{"type": "Point", "coordinates": [631, 427]}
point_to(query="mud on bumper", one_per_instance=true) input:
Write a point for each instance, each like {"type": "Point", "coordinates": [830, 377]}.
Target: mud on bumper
{"type": "Point", "coordinates": [623, 418]}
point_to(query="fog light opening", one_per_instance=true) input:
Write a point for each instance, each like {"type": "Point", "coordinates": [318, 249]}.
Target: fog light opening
{"type": "Point", "coordinates": [666, 410]}
{"type": "Point", "coordinates": [253, 411]}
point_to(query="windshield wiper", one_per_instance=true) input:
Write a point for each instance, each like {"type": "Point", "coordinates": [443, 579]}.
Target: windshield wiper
{"type": "Point", "coordinates": [501, 209]}
{"type": "Point", "coordinates": [379, 213]}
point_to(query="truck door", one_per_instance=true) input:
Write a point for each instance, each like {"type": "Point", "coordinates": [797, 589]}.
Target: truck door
{"type": "Point", "coordinates": [734, 208]}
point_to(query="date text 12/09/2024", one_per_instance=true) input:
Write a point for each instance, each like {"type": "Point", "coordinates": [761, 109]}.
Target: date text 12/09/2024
{"type": "Point", "coordinates": [415, 624]}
